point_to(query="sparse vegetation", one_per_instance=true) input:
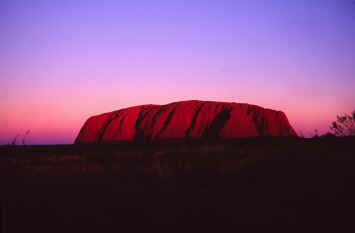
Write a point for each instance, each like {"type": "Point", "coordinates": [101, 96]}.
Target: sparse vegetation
{"type": "Point", "coordinates": [13, 142]}
{"type": "Point", "coordinates": [24, 137]}
{"type": "Point", "coordinates": [240, 181]}
{"type": "Point", "coordinates": [344, 125]}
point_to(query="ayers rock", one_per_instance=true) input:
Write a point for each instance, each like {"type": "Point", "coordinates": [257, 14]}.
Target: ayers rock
{"type": "Point", "coordinates": [185, 120]}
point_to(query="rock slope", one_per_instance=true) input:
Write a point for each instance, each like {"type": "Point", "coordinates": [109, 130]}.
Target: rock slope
{"type": "Point", "coordinates": [185, 120]}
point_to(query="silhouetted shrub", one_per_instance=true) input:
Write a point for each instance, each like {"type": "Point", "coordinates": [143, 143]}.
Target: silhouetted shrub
{"type": "Point", "coordinates": [14, 140]}
{"type": "Point", "coordinates": [328, 135]}
{"type": "Point", "coordinates": [344, 126]}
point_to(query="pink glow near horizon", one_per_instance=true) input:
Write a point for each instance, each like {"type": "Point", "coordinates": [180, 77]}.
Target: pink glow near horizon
{"type": "Point", "coordinates": [59, 120]}
{"type": "Point", "coordinates": [62, 63]}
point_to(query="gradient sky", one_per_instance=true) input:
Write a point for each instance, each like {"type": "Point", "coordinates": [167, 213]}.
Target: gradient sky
{"type": "Point", "coordinates": [62, 61]}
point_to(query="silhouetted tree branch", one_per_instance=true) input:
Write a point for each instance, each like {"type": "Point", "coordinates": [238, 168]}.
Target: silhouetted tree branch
{"type": "Point", "coordinates": [24, 137]}
{"type": "Point", "coordinates": [344, 126]}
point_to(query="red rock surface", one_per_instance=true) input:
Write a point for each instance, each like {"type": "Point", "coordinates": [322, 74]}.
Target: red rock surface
{"type": "Point", "coordinates": [185, 120]}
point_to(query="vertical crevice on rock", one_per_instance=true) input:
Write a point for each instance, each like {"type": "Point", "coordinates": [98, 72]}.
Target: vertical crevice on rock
{"type": "Point", "coordinates": [212, 133]}
{"type": "Point", "coordinates": [151, 122]}
{"type": "Point", "coordinates": [193, 122]}
{"type": "Point", "coordinates": [258, 120]}
{"type": "Point", "coordinates": [160, 110]}
{"type": "Point", "coordinates": [139, 137]}
{"type": "Point", "coordinates": [103, 130]}
{"type": "Point", "coordinates": [166, 123]}
{"type": "Point", "coordinates": [121, 123]}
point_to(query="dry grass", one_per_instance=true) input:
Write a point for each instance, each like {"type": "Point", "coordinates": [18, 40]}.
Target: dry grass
{"type": "Point", "coordinates": [306, 181]}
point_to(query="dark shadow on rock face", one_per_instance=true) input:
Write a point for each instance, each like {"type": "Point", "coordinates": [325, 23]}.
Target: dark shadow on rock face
{"type": "Point", "coordinates": [167, 121]}
{"type": "Point", "coordinates": [103, 130]}
{"type": "Point", "coordinates": [185, 121]}
{"type": "Point", "coordinates": [193, 122]}
{"type": "Point", "coordinates": [140, 138]}
{"type": "Point", "coordinates": [217, 125]}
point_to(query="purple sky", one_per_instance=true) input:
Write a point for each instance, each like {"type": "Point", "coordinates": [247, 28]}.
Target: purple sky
{"type": "Point", "coordinates": [63, 61]}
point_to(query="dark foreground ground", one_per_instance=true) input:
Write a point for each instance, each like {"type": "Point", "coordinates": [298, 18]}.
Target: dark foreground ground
{"type": "Point", "coordinates": [195, 186]}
